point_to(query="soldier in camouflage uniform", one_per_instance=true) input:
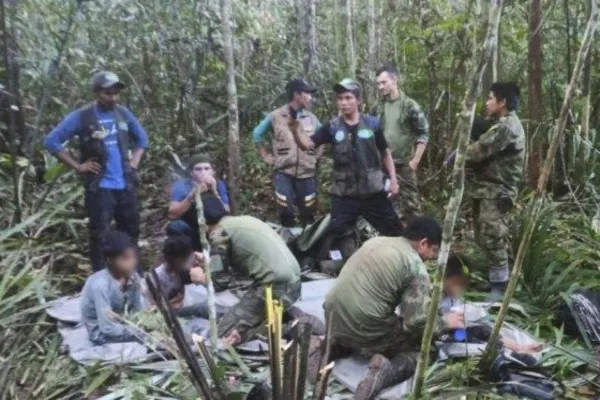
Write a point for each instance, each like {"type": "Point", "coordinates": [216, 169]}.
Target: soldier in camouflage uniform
{"type": "Point", "coordinates": [384, 273]}
{"type": "Point", "coordinates": [253, 250]}
{"type": "Point", "coordinates": [494, 172]}
{"type": "Point", "coordinates": [407, 132]}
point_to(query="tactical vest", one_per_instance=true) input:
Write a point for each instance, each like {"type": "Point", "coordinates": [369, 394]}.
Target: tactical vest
{"type": "Point", "coordinates": [289, 159]}
{"type": "Point", "coordinates": [357, 166]}
{"type": "Point", "coordinates": [91, 147]}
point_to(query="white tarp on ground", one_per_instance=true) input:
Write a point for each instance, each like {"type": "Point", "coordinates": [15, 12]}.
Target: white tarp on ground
{"type": "Point", "coordinates": [348, 371]}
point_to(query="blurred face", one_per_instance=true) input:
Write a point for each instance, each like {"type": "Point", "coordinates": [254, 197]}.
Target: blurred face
{"type": "Point", "coordinates": [387, 84]}
{"type": "Point", "coordinates": [108, 98]}
{"type": "Point", "coordinates": [455, 286]}
{"type": "Point", "coordinates": [426, 250]}
{"type": "Point", "coordinates": [179, 263]}
{"type": "Point", "coordinates": [126, 262]}
{"type": "Point", "coordinates": [203, 171]}
{"type": "Point", "coordinates": [347, 103]}
{"type": "Point", "coordinates": [494, 106]}
{"type": "Point", "coordinates": [304, 99]}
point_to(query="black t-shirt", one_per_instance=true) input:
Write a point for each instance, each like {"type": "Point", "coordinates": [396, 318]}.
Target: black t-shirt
{"type": "Point", "coordinates": [323, 135]}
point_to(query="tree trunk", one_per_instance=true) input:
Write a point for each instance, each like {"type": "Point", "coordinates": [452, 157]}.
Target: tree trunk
{"type": "Point", "coordinates": [371, 53]}
{"type": "Point", "coordinates": [538, 199]}
{"type": "Point", "coordinates": [12, 103]}
{"type": "Point", "coordinates": [587, 107]}
{"type": "Point", "coordinates": [534, 89]}
{"type": "Point", "coordinates": [350, 51]}
{"type": "Point", "coordinates": [458, 177]}
{"type": "Point", "coordinates": [232, 109]}
{"type": "Point", "coordinates": [490, 74]}
{"type": "Point", "coordinates": [310, 59]}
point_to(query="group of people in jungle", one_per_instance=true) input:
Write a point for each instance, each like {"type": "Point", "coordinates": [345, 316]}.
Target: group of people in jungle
{"type": "Point", "coordinates": [378, 305]}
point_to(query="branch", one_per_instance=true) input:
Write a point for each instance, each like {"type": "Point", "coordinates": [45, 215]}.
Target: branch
{"type": "Point", "coordinates": [462, 129]}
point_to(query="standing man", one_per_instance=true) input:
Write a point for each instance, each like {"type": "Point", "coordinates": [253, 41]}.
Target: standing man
{"type": "Point", "coordinates": [407, 132]}
{"type": "Point", "coordinates": [361, 161]}
{"type": "Point", "coordinates": [294, 169]}
{"type": "Point", "coordinates": [495, 165]}
{"type": "Point", "coordinates": [111, 145]}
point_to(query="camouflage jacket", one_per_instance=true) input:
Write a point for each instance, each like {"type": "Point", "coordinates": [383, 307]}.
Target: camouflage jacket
{"type": "Point", "coordinates": [495, 161]}
{"type": "Point", "coordinates": [404, 125]}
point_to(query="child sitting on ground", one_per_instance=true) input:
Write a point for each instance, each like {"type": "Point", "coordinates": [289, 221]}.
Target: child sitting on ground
{"type": "Point", "coordinates": [182, 266]}
{"type": "Point", "coordinates": [113, 289]}
{"type": "Point", "coordinates": [456, 282]}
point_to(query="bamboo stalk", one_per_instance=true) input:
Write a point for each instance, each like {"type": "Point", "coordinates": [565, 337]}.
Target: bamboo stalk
{"type": "Point", "coordinates": [538, 199]}
{"type": "Point", "coordinates": [198, 379]}
{"type": "Point", "coordinates": [211, 302]}
{"type": "Point", "coordinates": [322, 382]}
{"type": "Point", "coordinates": [303, 338]}
{"type": "Point", "coordinates": [458, 177]}
{"type": "Point", "coordinates": [210, 362]}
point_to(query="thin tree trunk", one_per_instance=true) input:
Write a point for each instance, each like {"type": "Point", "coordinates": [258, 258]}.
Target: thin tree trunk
{"type": "Point", "coordinates": [311, 59]}
{"type": "Point", "coordinates": [587, 107]}
{"type": "Point", "coordinates": [13, 104]}
{"type": "Point", "coordinates": [232, 109]}
{"type": "Point", "coordinates": [462, 129]}
{"type": "Point", "coordinates": [371, 52]}
{"type": "Point", "coordinates": [534, 90]}
{"type": "Point", "coordinates": [538, 199]}
{"type": "Point", "coordinates": [350, 51]}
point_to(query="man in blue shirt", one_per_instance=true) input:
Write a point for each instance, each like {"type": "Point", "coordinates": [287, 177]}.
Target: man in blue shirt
{"type": "Point", "coordinates": [182, 208]}
{"type": "Point", "coordinates": [294, 168]}
{"type": "Point", "coordinates": [111, 145]}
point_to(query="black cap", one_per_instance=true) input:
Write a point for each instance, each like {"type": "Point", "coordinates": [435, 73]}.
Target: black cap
{"type": "Point", "coordinates": [115, 243]}
{"type": "Point", "coordinates": [213, 209]}
{"type": "Point", "coordinates": [299, 85]}
{"type": "Point", "coordinates": [348, 85]}
{"type": "Point", "coordinates": [106, 80]}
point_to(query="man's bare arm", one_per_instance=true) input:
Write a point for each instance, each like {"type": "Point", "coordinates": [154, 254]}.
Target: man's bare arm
{"type": "Point", "coordinates": [390, 168]}
{"type": "Point", "coordinates": [136, 157]}
{"type": "Point", "coordinates": [89, 166]}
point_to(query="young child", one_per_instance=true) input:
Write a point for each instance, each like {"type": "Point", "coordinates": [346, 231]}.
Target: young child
{"type": "Point", "coordinates": [115, 288]}
{"type": "Point", "coordinates": [456, 282]}
{"type": "Point", "coordinates": [182, 266]}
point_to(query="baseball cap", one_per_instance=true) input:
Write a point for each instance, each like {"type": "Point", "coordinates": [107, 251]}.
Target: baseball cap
{"type": "Point", "coordinates": [106, 80]}
{"type": "Point", "coordinates": [348, 85]}
{"type": "Point", "coordinates": [299, 85]}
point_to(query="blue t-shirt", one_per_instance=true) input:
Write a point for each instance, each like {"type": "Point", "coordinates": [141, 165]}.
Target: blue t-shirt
{"type": "Point", "coordinates": [183, 187]}
{"type": "Point", "coordinates": [113, 176]}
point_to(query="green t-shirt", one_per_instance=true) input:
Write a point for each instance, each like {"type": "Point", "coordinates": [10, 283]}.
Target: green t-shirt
{"type": "Point", "coordinates": [258, 252]}
{"type": "Point", "coordinates": [404, 125]}
{"type": "Point", "coordinates": [384, 273]}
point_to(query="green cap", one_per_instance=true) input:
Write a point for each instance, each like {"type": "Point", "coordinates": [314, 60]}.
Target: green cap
{"type": "Point", "coordinates": [348, 85]}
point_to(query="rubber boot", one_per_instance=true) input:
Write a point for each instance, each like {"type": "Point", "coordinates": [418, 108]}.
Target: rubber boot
{"type": "Point", "coordinates": [384, 373]}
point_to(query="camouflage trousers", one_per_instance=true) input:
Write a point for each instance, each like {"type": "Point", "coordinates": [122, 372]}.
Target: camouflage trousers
{"type": "Point", "coordinates": [249, 315]}
{"type": "Point", "coordinates": [492, 236]}
{"type": "Point", "coordinates": [408, 202]}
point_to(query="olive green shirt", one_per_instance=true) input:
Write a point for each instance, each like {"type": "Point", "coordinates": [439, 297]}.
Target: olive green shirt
{"type": "Point", "coordinates": [258, 252]}
{"type": "Point", "coordinates": [404, 125]}
{"type": "Point", "coordinates": [384, 273]}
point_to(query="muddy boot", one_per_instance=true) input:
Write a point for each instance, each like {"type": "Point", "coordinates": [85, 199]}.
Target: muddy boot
{"type": "Point", "coordinates": [318, 327]}
{"type": "Point", "coordinates": [316, 351]}
{"type": "Point", "coordinates": [384, 373]}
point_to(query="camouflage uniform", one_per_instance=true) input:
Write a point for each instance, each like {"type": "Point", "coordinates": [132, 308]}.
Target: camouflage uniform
{"type": "Point", "coordinates": [404, 125]}
{"type": "Point", "coordinates": [256, 251]}
{"type": "Point", "coordinates": [494, 171]}
{"type": "Point", "coordinates": [384, 273]}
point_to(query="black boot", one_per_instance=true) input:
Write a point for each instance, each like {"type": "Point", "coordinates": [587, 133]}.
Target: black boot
{"type": "Point", "coordinates": [384, 373]}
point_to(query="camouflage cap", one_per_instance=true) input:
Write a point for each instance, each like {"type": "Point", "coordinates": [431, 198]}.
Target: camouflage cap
{"type": "Point", "coordinates": [106, 80]}
{"type": "Point", "coordinates": [348, 85]}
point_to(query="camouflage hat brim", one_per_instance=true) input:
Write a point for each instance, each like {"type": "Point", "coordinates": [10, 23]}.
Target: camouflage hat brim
{"type": "Point", "coordinates": [348, 85]}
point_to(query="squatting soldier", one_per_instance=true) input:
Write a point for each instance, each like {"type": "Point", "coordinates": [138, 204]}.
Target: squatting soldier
{"type": "Point", "coordinates": [360, 157]}
{"type": "Point", "coordinates": [407, 132]}
{"type": "Point", "coordinates": [253, 250]}
{"type": "Point", "coordinates": [495, 169]}
{"type": "Point", "coordinates": [361, 308]}
{"type": "Point", "coordinates": [105, 130]}
{"type": "Point", "coordinates": [294, 169]}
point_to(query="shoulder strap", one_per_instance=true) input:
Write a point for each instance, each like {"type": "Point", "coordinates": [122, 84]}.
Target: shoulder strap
{"type": "Point", "coordinates": [89, 120]}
